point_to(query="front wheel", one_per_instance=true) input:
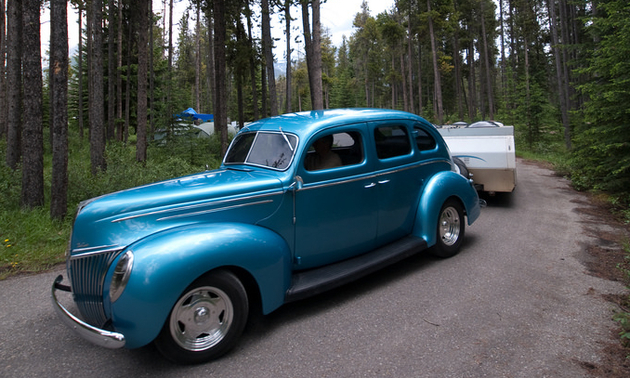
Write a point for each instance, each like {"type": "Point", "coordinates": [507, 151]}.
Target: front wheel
{"type": "Point", "coordinates": [206, 321]}
{"type": "Point", "coordinates": [450, 229]}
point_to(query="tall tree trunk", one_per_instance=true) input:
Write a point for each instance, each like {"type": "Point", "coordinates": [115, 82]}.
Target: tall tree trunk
{"type": "Point", "coordinates": [59, 107]}
{"type": "Point", "coordinates": [528, 95]}
{"type": "Point", "coordinates": [436, 69]}
{"type": "Point", "coordinates": [125, 135]}
{"type": "Point", "coordinates": [143, 41]}
{"type": "Point", "coordinates": [198, 60]}
{"type": "Point", "coordinates": [420, 104]}
{"type": "Point", "coordinates": [471, 79]}
{"type": "Point", "coordinates": [318, 99]}
{"type": "Point", "coordinates": [565, 92]}
{"type": "Point", "coordinates": [314, 53]}
{"type": "Point", "coordinates": [308, 42]}
{"type": "Point", "coordinates": [404, 82]}
{"type": "Point", "coordinates": [457, 62]}
{"type": "Point", "coordinates": [119, 96]}
{"type": "Point", "coordinates": [486, 58]}
{"type": "Point", "coordinates": [393, 85]}
{"type": "Point", "coordinates": [151, 71]}
{"type": "Point", "coordinates": [111, 98]}
{"type": "Point", "coordinates": [287, 31]}
{"type": "Point", "coordinates": [503, 79]}
{"type": "Point", "coordinates": [263, 90]}
{"type": "Point", "coordinates": [97, 132]}
{"type": "Point", "coordinates": [169, 73]}
{"type": "Point", "coordinates": [410, 57]}
{"type": "Point", "coordinates": [268, 50]}
{"type": "Point", "coordinates": [14, 83]}
{"type": "Point", "coordinates": [33, 133]}
{"type": "Point", "coordinates": [252, 61]}
{"type": "Point", "coordinates": [239, 72]}
{"type": "Point", "coordinates": [220, 113]}
{"type": "Point", "coordinates": [80, 73]}
{"type": "Point", "coordinates": [3, 105]}
{"type": "Point", "coordinates": [555, 41]}
{"type": "Point", "coordinates": [210, 63]}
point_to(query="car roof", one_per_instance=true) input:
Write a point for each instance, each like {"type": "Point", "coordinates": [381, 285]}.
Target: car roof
{"type": "Point", "coordinates": [306, 123]}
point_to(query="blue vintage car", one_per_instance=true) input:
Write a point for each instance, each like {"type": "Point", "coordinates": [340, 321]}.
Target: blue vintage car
{"type": "Point", "coordinates": [301, 204]}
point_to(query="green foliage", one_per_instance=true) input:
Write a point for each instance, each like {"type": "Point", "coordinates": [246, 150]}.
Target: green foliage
{"type": "Point", "coordinates": [31, 241]}
{"type": "Point", "coordinates": [602, 143]}
{"type": "Point", "coordinates": [623, 316]}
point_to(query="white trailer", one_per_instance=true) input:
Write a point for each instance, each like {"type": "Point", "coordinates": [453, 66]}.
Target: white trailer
{"type": "Point", "coordinates": [488, 153]}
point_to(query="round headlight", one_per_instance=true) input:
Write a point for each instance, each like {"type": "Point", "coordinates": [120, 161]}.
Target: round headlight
{"type": "Point", "coordinates": [121, 276]}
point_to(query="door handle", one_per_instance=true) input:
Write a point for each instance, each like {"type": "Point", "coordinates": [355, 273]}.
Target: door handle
{"type": "Point", "coordinates": [370, 185]}
{"type": "Point", "coordinates": [383, 181]}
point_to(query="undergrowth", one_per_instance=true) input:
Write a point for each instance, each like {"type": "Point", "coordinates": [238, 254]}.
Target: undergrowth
{"type": "Point", "coordinates": [30, 241]}
{"type": "Point", "coordinates": [623, 316]}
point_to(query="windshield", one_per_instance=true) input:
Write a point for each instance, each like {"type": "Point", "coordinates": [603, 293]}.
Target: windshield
{"type": "Point", "coordinates": [267, 149]}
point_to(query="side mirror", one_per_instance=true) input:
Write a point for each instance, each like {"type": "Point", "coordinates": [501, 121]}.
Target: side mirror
{"type": "Point", "coordinates": [297, 184]}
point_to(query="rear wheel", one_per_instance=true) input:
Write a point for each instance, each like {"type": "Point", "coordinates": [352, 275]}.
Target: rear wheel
{"type": "Point", "coordinates": [450, 229]}
{"type": "Point", "coordinates": [206, 321]}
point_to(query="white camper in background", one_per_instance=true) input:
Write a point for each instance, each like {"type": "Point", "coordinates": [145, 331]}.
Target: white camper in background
{"type": "Point", "coordinates": [488, 153]}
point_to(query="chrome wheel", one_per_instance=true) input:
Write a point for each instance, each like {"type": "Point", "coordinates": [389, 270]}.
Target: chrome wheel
{"type": "Point", "coordinates": [206, 321]}
{"type": "Point", "coordinates": [450, 229]}
{"type": "Point", "coordinates": [201, 318]}
{"type": "Point", "coordinates": [449, 226]}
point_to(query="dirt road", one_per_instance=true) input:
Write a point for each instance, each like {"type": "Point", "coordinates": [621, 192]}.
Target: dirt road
{"type": "Point", "coordinates": [517, 302]}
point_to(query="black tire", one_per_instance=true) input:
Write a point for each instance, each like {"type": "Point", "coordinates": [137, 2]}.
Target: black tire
{"type": "Point", "coordinates": [450, 230]}
{"type": "Point", "coordinates": [463, 169]}
{"type": "Point", "coordinates": [206, 321]}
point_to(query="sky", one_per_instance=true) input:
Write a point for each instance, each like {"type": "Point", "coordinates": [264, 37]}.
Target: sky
{"type": "Point", "coordinates": [336, 15]}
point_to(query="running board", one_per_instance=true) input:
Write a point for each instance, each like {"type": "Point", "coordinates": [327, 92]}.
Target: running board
{"type": "Point", "coordinates": [316, 281]}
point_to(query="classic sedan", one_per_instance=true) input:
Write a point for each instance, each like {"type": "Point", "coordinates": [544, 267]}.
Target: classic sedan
{"type": "Point", "coordinates": [301, 204]}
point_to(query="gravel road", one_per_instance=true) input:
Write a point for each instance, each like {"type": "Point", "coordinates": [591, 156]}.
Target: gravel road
{"type": "Point", "coordinates": [516, 302]}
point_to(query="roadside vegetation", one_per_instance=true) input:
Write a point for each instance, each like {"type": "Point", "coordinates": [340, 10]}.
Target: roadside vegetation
{"type": "Point", "coordinates": [623, 315]}
{"type": "Point", "coordinates": [32, 242]}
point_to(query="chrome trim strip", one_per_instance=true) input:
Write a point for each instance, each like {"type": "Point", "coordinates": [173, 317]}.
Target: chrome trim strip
{"type": "Point", "coordinates": [372, 176]}
{"type": "Point", "coordinates": [92, 251]}
{"type": "Point", "coordinates": [100, 337]}
{"type": "Point", "coordinates": [215, 210]}
{"type": "Point", "coordinates": [204, 204]}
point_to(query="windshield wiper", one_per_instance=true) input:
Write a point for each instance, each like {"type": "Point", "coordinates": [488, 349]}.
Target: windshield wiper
{"type": "Point", "coordinates": [286, 139]}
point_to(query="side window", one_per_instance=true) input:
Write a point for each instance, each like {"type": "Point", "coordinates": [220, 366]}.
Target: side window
{"type": "Point", "coordinates": [391, 141]}
{"type": "Point", "coordinates": [334, 150]}
{"type": "Point", "coordinates": [424, 141]}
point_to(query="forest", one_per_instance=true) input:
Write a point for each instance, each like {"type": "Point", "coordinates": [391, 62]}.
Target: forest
{"type": "Point", "coordinates": [555, 69]}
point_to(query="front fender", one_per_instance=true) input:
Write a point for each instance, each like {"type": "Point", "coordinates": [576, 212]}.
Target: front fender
{"type": "Point", "coordinates": [168, 262]}
{"type": "Point", "coordinates": [438, 189]}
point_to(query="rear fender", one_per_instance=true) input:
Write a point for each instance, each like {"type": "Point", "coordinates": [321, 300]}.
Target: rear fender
{"type": "Point", "coordinates": [439, 188]}
{"type": "Point", "coordinates": [165, 264]}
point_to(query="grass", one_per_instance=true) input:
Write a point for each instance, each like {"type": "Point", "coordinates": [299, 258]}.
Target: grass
{"type": "Point", "coordinates": [623, 316]}
{"type": "Point", "coordinates": [31, 242]}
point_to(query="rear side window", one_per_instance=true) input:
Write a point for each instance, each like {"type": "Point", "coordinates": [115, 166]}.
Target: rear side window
{"type": "Point", "coordinates": [391, 141]}
{"type": "Point", "coordinates": [424, 141]}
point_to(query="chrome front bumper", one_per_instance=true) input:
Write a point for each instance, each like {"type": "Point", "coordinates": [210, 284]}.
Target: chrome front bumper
{"type": "Point", "coordinates": [100, 337]}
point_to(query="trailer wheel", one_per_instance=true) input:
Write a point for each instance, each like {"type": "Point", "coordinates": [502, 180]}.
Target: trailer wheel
{"type": "Point", "coordinates": [463, 170]}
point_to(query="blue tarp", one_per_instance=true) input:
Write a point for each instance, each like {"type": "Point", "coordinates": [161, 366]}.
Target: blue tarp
{"type": "Point", "coordinates": [192, 115]}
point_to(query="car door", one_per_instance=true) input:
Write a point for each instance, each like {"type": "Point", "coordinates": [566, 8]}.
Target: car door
{"type": "Point", "coordinates": [401, 166]}
{"type": "Point", "coordinates": [336, 210]}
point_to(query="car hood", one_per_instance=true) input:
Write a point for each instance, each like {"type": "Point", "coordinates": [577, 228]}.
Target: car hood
{"type": "Point", "coordinates": [116, 220]}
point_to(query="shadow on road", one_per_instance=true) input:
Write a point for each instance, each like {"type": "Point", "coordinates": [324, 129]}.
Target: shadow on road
{"type": "Point", "coordinates": [500, 200]}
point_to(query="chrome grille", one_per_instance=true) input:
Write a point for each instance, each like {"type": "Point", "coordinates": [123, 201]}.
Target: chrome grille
{"type": "Point", "coordinates": [87, 275]}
